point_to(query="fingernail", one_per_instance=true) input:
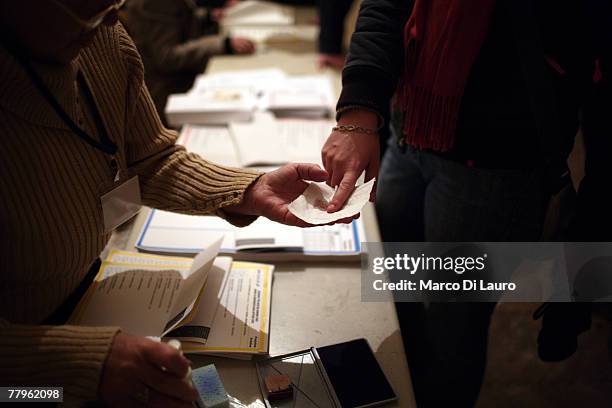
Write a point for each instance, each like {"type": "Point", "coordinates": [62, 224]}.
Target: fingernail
{"type": "Point", "coordinates": [331, 208]}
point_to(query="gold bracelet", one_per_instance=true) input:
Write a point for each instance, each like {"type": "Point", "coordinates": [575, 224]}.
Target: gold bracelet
{"type": "Point", "coordinates": [354, 128]}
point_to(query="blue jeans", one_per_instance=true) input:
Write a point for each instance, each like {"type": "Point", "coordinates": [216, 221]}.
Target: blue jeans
{"type": "Point", "coordinates": [423, 197]}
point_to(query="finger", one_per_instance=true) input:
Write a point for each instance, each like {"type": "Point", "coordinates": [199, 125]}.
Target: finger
{"type": "Point", "coordinates": [167, 384]}
{"type": "Point", "coordinates": [372, 172]}
{"type": "Point", "coordinates": [162, 355]}
{"type": "Point", "coordinates": [330, 177]}
{"type": "Point", "coordinates": [290, 219]}
{"type": "Point", "coordinates": [158, 400]}
{"type": "Point", "coordinates": [327, 164]}
{"type": "Point", "coordinates": [311, 172]}
{"type": "Point", "coordinates": [336, 179]}
{"type": "Point", "coordinates": [345, 189]}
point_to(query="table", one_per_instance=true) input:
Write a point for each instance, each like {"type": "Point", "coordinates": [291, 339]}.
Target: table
{"type": "Point", "coordinates": [312, 304]}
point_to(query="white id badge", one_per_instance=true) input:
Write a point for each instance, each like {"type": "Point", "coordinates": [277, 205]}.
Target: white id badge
{"type": "Point", "coordinates": [120, 204]}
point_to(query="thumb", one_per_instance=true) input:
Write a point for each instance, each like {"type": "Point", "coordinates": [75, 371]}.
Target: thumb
{"type": "Point", "coordinates": [311, 172]}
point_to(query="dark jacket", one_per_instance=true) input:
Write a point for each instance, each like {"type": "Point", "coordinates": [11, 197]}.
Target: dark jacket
{"type": "Point", "coordinates": [332, 14]}
{"type": "Point", "coordinates": [497, 125]}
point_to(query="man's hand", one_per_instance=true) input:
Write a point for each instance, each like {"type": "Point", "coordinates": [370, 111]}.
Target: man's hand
{"type": "Point", "coordinates": [347, 154]}
{"type": "Point", "coordinates": [242, 45]}
{"type": "Point", "coordinates": [139, 371]}
{"type": "Point", "coordinates": [272, 193]}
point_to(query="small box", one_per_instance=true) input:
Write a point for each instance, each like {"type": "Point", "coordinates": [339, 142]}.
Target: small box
{"type": "Point", "coordinates": [208, 383]}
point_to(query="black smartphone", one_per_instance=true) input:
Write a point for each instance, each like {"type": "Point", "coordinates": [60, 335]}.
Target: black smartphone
{"type": "Point", "coordinates": [355, 375]}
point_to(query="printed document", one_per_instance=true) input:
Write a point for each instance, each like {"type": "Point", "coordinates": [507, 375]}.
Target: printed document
{"type": "Point", "coordinates": [145, 295]}
{"type": "Point", "coordinates": [235, 306]}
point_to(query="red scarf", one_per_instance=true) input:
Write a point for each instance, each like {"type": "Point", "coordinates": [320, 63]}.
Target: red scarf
{"type": "Point", "coordinates": [442, 39]}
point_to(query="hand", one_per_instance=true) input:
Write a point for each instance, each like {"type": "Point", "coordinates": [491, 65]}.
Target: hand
{"type": "Point", "coordinates": [271, 194]}
{"type": "Point", "coordinates": [136, 364]}
{"type": "Point", "coordinates": [242, 45]}
{"type": "Point", "coordinates": [347, 154]}
{"type": "Point", "coordinates": [335, 61]}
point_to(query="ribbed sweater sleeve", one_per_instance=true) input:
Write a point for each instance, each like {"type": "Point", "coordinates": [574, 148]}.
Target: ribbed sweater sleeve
{"type": "Point", "coordinates": [71, 357]}
{"type": "Point", "coordinates": [171, 178]}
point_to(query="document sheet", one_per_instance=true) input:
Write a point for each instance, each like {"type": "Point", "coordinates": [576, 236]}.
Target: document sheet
{"type": "Point", "coordinates": [145, 295]}
{"type": "Point", "coordinates": [166, 232]}
{"type": "Point", "coordinates": [236, 307]}
{"type": "Point", "coordinates": [269, 141]}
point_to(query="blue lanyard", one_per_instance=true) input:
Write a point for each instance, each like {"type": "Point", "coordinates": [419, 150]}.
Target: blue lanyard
{"type": "Point", "coordinates": [105, 145]}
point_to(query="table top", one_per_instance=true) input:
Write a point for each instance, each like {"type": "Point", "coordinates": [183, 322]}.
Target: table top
{"type": "Point", "coordinates": [313, 304]}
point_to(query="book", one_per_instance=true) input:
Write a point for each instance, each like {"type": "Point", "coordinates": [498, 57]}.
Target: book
{"type": "Point", "coordinates": [233, 316]}
{"type": "Point", "coordinates": [211, 303]}
{"type": "Point", "coordinates": [269, 141]}
{"type": "Point", "coordinates": [266, 141]}
{"type": "Point", "coordinates": [171, 234]}
{"type": "Point", "coordinates": [146, 295]}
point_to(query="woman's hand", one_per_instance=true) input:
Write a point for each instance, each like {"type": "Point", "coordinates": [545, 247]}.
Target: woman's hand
{"type": "Point", "coordinates": [142, 372]}
{"type": "Point", "coordinates": [346, 155]}
{"type": "Point", "coordinates": [271, 194]}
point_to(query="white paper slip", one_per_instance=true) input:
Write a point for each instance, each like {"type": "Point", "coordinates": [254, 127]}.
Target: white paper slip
{"type": "Point", "coordinates": [311, 206]}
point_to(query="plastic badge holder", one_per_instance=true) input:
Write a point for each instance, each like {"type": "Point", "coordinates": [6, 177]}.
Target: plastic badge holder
{"type": "Point", "coordinates": [312, 386]}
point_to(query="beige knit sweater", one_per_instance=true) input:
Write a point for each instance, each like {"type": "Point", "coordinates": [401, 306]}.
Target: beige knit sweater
{"type": "Point", "coordinates": [51, 225]}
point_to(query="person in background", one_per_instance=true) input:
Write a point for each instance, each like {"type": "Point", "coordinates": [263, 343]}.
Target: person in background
{"type": "Point", "coordinates": [175, 41]}
{"type": "Point", "coordinates": [76, 122]}
{"type": "Point", "coordinates": [332, 14]}
{"type": "Point", "coordinates": [484, 122]}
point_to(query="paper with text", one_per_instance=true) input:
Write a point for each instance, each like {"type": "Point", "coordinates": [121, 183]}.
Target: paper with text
{"type": "Point", "coordinates": [166, 232]}
{"type": "Point", "coordinates": [311, 206]}
{"type": "Point", "coordinates": [241, 305]}
{"type": "Point", "coordinates": [144, 294]}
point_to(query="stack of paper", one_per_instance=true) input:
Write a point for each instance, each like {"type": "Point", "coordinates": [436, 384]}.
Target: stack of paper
{"type": "Point", "coordinates": [269, 35]}
{"type": "Point", "coordinates": [233, 96]}
{"type": "Point", "coordinates": [304, 96]}
{"type": "Point", "coordinates": [258, 13]}
{"type": "Point", "coordinates": [256, 80]}
{"type": "Point", "coordinates": [215, 106]}
{"type": "Point", "coordinates": [171, 233]}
